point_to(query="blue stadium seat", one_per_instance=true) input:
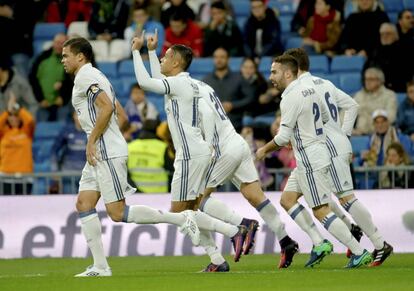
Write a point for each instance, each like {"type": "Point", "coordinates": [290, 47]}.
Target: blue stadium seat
{"type": "Point", "coordinates": [285, 23]}
{"type": "Point", "coordinates": [127, 83]}
{"type": "Point", "coordinates": [39, 187]}
{"type": "Point", "coordinates": [350, 82]}
{"type": "Point", "coordinates": [401, 97]}
{"type": "Point", "coordinates": [294, 42]}
{"type": "Point", "coordinates": [319, 64]}
{"type": "Point", "coordinates": [47, 31]}
{"type": "Point", "coordinates": [393, 5]}
{"type": "Point", "coordinates": [48, 130]}
{"type": "Point", "coordinates": [359, 143]}
{"type": "Point", "coordinates": [409, 4]}
{"type": "Point", "coordinates": [347, 64]}
{"type": "Point", "coordinates": [118, 86]}
{"type": "Point", "coordinates": [330, 77]}
{"type": "Point", "coordinates": [241, 21]}
{"type": "Point", "coordinates": [393, 16]}
{"type": "Point", "coordinates": [43, 167]}
{"type": "Point", "coordinates": [285, 7]}
{"type": "Point", "coordinates": [265, 64]}
{"type": "Point", "coordinates": [126, 68]}
{"type": "Point", "coordinates": [42, 149]}
{"type": "Point", "coordinates": [241, 8]}
{"type": "Point", "coordinates": [158, 101]}
{"type": "Point", "coordinates": [108, 68]}
{"type": "Point", "coordinates": [235, 63]}
{"type": "Point", "coordinates": [202, 66]}
{"type": "Point", "coordinates": [40, 45]}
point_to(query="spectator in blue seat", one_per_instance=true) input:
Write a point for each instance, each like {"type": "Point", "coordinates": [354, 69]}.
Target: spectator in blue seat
{"type": "Point", "coordinates": [262, 34]}
{"type": "Point", "coordinates": [222, 31]}
{"type": "Point", "coordinates": [322, 29]}
{"type": "Point", "coordinates": [51, 85]}
{"type": "Point", "coordinates": [68, 154]}
{"type": "Point", "coordinates": [234, 92]}
{"type": "Point", "coordinates": [361, 30]}
{"type": "Point", "coordinates": [384, 134]}
{"type": "Point", "coordinates": [138, 109]}
{"type": "Point", "coordinates": [396, 156]}
{"type": "Point", "coordinates": [15, 86]}
{"type": "Point", "coordinates": [405, 26]}
{"type": "Point", "coordinates": [108, 19]}
{"type": "Point", "coordinates": [405, 114]}
{"type": "Point", "coordinates": [141, 20]}
{"type": "Point", "coordinates": [373, 96]}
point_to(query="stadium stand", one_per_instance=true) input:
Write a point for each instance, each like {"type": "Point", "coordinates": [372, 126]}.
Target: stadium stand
{"type": "Point", "coordinates": [108, 68]}
{"type": "Point", "coordinates": [47, 31]}
{"type": "Point", "coordinates": [347, 64]}
{"type": "Point", "coordinates": [350, 82]}
{"type": "Point", "coordinates": [79, 28]}
{"type": "Point", "coordinates": [319, 64]}
{"type": "Point", "coordinates": [409, 4]}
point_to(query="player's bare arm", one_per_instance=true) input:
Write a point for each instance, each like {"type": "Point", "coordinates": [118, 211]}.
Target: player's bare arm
{"type": "Point", "coordinates": [105, 112]}
{"type": "Point", "coordinates": [121, 115]}
{"type": "Point", "coordinates": [271, 146]}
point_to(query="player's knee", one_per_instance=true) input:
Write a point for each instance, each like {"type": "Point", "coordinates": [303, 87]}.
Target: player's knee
{"type": "Point", "coordinates": [83, 205]}
{"type": "Point", "coordinates": [345, 199]}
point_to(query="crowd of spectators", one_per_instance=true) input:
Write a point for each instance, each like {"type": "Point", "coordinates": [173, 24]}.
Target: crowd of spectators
{"type": "Point", "coordinates": [37, 86]}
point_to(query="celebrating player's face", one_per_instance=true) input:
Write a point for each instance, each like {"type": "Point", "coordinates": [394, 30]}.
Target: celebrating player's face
{"type": "Point", "coordinates": [277, 76]}
{"type": "Point", "coordinates": [167, 62]}
{"type": "Point", "coordinates": [69, 60]}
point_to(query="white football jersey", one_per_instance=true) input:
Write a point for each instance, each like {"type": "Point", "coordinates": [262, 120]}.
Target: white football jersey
{"type": "Point", "coordinates": [181, 102]}
{"type": "Point", "coordinates": [334, 99]}
{"type": "Point", "coordinates": [303, 115]}
{"type": "Point", "coordinates": [89, 82]}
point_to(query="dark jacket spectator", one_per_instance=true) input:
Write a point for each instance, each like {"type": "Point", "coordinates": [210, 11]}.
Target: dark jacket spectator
{"type": "Point", "coordinates": [394, 58]}
{"type": "Point", "coordinates": [262, 32]}
{"type": "Point", "coordinates": [405, 113]}
{"type": "Point", "coordinates": [235, 93]}
{"type": "Point", "coordinates": [222, 31]}
{"type": "Point", "coordinates": [13, 85]}
{"type": "Point", "coordinates": [361, 30]}
{"type": "Point", "coordinates": [405, 26]}
{"type": "Point", "coordinates": [176, 6]}
{"type": "Point", "coordinates": [108, 19]}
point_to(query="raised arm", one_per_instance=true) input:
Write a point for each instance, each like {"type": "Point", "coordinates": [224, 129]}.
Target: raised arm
{"type": "Point", "coordinates": [152, 44]}
{"type": "Point", "coordinates": [144, 80]}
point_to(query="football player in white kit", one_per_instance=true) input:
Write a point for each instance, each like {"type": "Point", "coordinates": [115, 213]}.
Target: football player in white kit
{"type": "Point", "coordinates": [303, 117]}
{"type": "Point", "coordinates": [340, 151]}
{"type": "Point", "coordinates": [105, 173]}
{"type": "Point", "coordinates": [193, 154]}
{"type": "Point", "coordinates": [232, 161]}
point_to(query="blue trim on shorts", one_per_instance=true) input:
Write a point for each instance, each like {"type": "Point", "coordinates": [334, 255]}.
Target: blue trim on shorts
{"type": "Point", "coordinates": [87, 213]}
{"type": "Point", "coordinates": [262, 205]}
{"type": "Point", "coordinates": [335, 178]}
{"type": "Point", "coordinates": [297, 211]}
{"type": "Point", "coordinates": [203, 203]}
{"type": "Point", "coordinates": [184, 180]}
{"type": "Point", "coordinates": [117, 185]}
{"type": "Point", "coordinates": [332, 147]}
{"type": "Point", "coordinates": [210, 170]}
{"type": "Point", "coordinates": [126, 213]}
{"type": "Point", "coordinates": [176, 114]}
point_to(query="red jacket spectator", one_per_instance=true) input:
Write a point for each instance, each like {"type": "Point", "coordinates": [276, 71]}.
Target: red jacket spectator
{"type": "Point", "coordinates": [184, 32]}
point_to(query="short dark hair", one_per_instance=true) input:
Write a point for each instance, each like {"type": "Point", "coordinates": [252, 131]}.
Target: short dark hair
{"type": "Point", "coordinates": [301, 57]}
{"type": "Point", "coordinates": [219, 5]}
{"type": "Point", "coordinates": [401, 13]}
{"type": "Point", "coordinates": [80, 45]}
{"type": "Point", "coordinates": [289, 62]}
{"type": "Point", "coordinates": [179, 15]}
{"type": "Point", "coordinates": [186, 54]}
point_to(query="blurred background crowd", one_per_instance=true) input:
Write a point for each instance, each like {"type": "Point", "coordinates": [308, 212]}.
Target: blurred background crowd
{"type": "Point", "coordinates": [365, 47]}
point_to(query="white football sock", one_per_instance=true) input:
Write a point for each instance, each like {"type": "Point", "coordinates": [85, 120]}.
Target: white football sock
{"type": "Point", "coordinates": [206, 222]}
{"type": "Point", "coordinates": [271, 217]}
{"type": "Point", "coordinates": [363, 218]}
{"type": "Point", "coordinates": [341, 232]}
{"type": "Point", "coordinates": [146, 215]}
{"type": "Point", "coordinates": [91, 228]}
{"type": "Point", "coordinates": [209, 245]}
{"type": "Point", "coordinates": [302, 218]}
{"type": "Point", "coordinates": [220, 210]}
{"type": "Point", "coordinates": [340, 213]}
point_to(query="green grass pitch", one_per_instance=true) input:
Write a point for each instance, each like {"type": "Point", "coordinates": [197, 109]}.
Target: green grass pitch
{"type": "Point", "coordinates": [253, 272]}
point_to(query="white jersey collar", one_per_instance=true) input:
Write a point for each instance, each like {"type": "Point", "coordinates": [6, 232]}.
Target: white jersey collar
{"type": "Point", "coordinates": [84, 67]}
{"type": "Point", "coordinates": [289, 88]}
{"type": "Point", "coordinates": [304, 76]}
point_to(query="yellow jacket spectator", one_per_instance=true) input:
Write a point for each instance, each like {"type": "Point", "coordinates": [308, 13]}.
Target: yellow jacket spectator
{"type": "Point", "coordinates": [149, 162]}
